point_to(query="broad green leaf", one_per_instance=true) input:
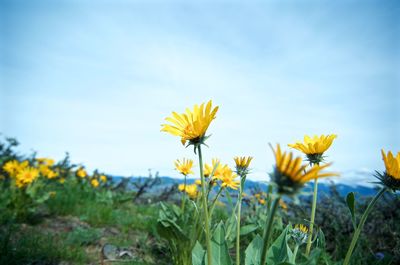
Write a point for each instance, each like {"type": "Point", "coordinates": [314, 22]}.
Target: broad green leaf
{"type": "Point", "coordinates": [253, 251]}
{"type": "Point", "coordinates": [277, 253]}
{"type": "Point", "coordinates": [219, 248]}
{"type": "Point", "coordinates": [313, 258]}
{"type": "Point", "coordinates": [351, 203]}
{"type": "Point", "coordinates": [244, 230]}
{"type": "Point", "coordinates": [198, 254]}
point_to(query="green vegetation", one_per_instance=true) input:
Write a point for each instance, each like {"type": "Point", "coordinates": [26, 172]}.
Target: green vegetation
{"type": "Point", "coordinates": [76, 219]}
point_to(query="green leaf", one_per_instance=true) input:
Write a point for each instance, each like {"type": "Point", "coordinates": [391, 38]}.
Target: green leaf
{"type": "Point", "coordinates": [253, 251]}
{"type": "Point", "coordinates": [278, 251]}
{"type": "Point", "coordinates": [244, 230]}
{"type": "Point", "coordinates": [313, 258]}
{"type": "Point", "coordinates": [321, 239]}
{"type": "Point", "coordinates": [219, 248]}
{"type": "Point", "coordinates": [351, 203]}
{"type": "Point", "coordinates": [198, 254]}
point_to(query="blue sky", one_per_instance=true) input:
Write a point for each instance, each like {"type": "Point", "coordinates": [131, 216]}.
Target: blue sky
{"type": "Point", "coordinates": [97, 79]}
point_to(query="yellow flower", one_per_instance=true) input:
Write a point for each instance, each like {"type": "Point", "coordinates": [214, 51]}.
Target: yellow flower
{"type": "Point", "coordinates": [257, 195]}
{"type": "Point", "coordinates": [12, 167]}
{"type": "Point", "coordinates": [45, 161]}
{"type": "Point", "coordinates": [192, 125]}
{"type": "Point", "coordinates": [290, 174]}
{"type": "Point", "coordinates": [184, 167]}
{"type": "Point", "coordinates": [47, 172]}
{"type": "Point", "coordinates": [81, 172]}
{"type": "Point", "coordinates": [62, 180]}
{"type": "Point", "coordinates": [181, 187]}
{"type": "Point", "coordinates": [283, 205]}
{"type": "Point", "coordinates": [95, 183]}
{"type": "Point", "coordinates": [391, 177]}
{"type": "Point", "coordinates": [103, 178]}
{"type": "Point", "coordinates": [261, 201]}
{"type": "Point", "coordinates": [314, 147]}
{"type": "Point", "coordinates": [242, 164]}
{"type": "Point", "coordinates": [228, 179]}
{"type": "Point", "coordinates": [299, 234]}
{"type": "Point", "coordinates": [191, 190]}
{"type": "Point", "coordinates": [301, 228]}
{"type": "Point", "coordinates": [26, 176]}
{"type": "Point", "coordinates": [197, 182]}
{"type": "Point", "coordinates": [208, 169]}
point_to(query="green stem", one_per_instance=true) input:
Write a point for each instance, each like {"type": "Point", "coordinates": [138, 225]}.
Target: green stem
{"type": "Point", "coordinates": [313, 210]}
{"type": "Point", "coordinates": [268, 229]}
{"type": "Point", "coordinates": [361, 224]}
{"type": "Point", "coordinates": [214, 202]}
{"type": "Point", "coordinates": [238, 223]}
{"type": "Point", "coordinates": [296, 248]}
{"type": "Point", "coordinates": [205, 207]}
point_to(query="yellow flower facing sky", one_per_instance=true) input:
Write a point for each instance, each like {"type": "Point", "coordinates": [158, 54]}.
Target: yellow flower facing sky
{"type": "Point", "coordinates": [314, 147]}
{"type": "Point", "coordinates": [192, 125]}
{"type": "Point", "coordinates": [391, 177]}
{"type": "Point", "coordinates": [290, 174]}
{"type": "Point", "coordinates": [184, 167]}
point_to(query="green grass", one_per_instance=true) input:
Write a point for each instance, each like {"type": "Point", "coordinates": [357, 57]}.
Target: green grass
{"type": "Point", "coordinates": [29, 246]}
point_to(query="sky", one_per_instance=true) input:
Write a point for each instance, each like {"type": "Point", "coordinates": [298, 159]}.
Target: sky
{"type": "Point", "coordinates": [97, 78]}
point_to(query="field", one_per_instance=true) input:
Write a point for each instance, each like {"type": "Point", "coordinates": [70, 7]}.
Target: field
{"type": "Point", "coordinates": [72, 217]}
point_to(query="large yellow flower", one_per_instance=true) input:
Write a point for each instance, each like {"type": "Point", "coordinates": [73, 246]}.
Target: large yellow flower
{"type": "Point", "coordinates": [314, 147]}
{"type": "Point", "coordinates": [184, 167]}
{"type": "Point", "coordinates": [192, 125]}
{"type": "Point", "coordinates": [26, 176]}
{"type": "Point", "coordinates": [391, 177]}
{"type": "Point", "coordinates": [290, 174]}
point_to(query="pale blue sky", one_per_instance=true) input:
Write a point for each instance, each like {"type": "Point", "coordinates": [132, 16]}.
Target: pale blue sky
{"type": "Point", "coordinates": [97, 78]}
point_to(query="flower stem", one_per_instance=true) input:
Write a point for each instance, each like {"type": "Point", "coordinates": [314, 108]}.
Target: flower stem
{"type": "Point", "coordinates": [296, 248]}
{"type": "Point", "coordinates": [205, 207]}
{"type": "Point", "coordinates": [268, 229]}
{"type": "Point", "coordinates": [313, 210]}
{"type": "Point", "coordinates": [214, 202]}
{"type": "Point", "coordinates": [238, 222]}
{"type": "Point", "coordinates": [357, 232]}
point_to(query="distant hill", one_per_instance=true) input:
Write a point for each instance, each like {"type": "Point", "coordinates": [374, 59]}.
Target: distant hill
{"type": "Point", "coordinates": [323, 188]}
